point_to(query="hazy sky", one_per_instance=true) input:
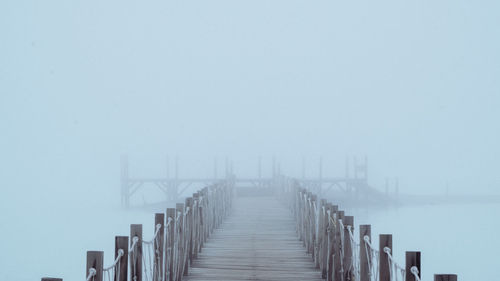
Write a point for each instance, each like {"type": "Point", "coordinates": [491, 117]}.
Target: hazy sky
{"type": "Point", "coordinates": [412, 84]}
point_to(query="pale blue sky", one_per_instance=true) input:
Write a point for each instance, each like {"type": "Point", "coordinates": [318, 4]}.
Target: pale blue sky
{"type": "Point", "coordinates": [412, 84]}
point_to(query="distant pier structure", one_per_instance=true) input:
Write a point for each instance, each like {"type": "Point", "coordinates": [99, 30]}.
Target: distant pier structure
{"type": "Point", "coordinates": [351, 188]}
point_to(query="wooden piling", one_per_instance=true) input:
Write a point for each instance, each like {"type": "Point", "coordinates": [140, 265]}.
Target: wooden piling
{"type": "Point", "coordinates": [385, 241]}
{"type": "Point", "coordinates": [365, 260]}
{"type": "Point", "coordinates": [337, 249]}
{"type": "Point", "coordinates": [169, 245]}
{"type": "Point", "coordinates": [136, 256]}
{"type": "Point", "coordinates": [348, 262]}
{"type": "Point", "coordinates": [158, 246]}
{"type": "Point", "coordinates": [95, 260]}
{"type": "Point", "coordinates": [412, 259]}
{"type": "Point", "coordinates": [179, 267]}
{"type": "Point", "coordinates": [445, 277]}
{"type": "Point", "coordinates": [188, 234]}
{"type": "Point", "coordinates": [121, 243]}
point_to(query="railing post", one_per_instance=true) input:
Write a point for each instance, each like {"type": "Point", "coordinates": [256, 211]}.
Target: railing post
{"type": "Point", "coordinates": [121, 243]}
{"type": "Point", "coordinates": [136, 257]}
{"type": "Point", "coordinates": [338, 268]}
{"type": "Point", "coordinates": [189, 234]}
{"type": "Point", "coordinates": [365, 260]}
{"type": "Point", "coordinates": [169, 245]}
{"type": "Point", "coordinates": [348, 262]}
{"type": "Point", "coordinates": [179, 267]}
{"type": "Point", "coordinates": [158, 247]}
{"type": "Point", "coordinates": [95, 262]}
{"type": "Point", "coordinates": [331, 242]}
{"type": "Point", "coordinates": [412, 260]}
{"type": "Point", "coordinates": [445, 277]}
{"type": "Point", "coordinates": [324, 242]}
{"type": "Point", "coordinates": [196, 225]}
{"type": "Point", "coordinates": [385, 242]}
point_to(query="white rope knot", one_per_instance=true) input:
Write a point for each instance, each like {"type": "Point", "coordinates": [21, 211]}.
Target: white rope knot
{"type": "Point", "coordinates": [415, 272]}
{"type": "Point", "coordinates": [92, 273]}
{"type": "Point", "coordinates": [387, 250]}
{"type": "Point", "coordinates": [366, 238]}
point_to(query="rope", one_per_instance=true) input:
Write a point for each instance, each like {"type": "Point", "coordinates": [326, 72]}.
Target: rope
{"type": "Point", "coordinates": [370, 254]}
{"type": "Point", "coordinates": [415, 272]}
{"type": "Point", "coordinates": [394, 267]}
{"type": "Point", "coordinates": [92, 274]}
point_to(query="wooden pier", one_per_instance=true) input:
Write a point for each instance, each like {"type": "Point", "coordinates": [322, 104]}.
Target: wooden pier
{"type": "Point", "coordinates": [284, 233]}
{"type": "Point", "coordinates": [257, 241]}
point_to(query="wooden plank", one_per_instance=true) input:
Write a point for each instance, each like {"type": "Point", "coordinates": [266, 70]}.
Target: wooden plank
{"type": "Point", "coordinates": [256, 242]}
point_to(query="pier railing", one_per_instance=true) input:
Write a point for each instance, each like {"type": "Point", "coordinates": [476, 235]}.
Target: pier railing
{"type": "Point", "coordinates": [328, 236]}
{"type": "Point", "coordinates": [179, 235]}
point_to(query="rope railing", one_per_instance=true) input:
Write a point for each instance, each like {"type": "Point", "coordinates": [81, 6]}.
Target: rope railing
{"type": "Point", "coordinates": [179, 236]}
{"type": "Point", "coordinates": [325, 229]}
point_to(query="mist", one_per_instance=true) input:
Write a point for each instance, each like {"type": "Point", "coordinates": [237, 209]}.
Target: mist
{"type": "Point", "coordinates": [413, 86]}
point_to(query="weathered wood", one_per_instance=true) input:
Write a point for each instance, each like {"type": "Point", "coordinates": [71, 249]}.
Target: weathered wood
{"type": "Point", "coordinates": [121, 243]}
{"type": "Point", "coordinates": [385, 241]}
{"type": "Point", "coordinates": [445, 277]}
{"type": "Point", "coordinates": [348, 262]}
{"type": "Point", "coordinates": [255, 243]}
{"type": "Point", "coordinates": [364, 259]}
{"type": "Point", "coordinates": [136, 256]}
{"type": "Point", "coordinates": [337, 261]}
{"type": "Point", "coordinates": [179, 245]}
{"type": "Point", "coordinates": [169, 245]}
{"type": "Point", "coordinates": [158, 246]}
{"type": "Point", "coordinates": [324, 242]}
{"type": "Point", "coordinates": [189, 234]}
{"type": "Point", "coordinates": [95, 260]}
{"type": "Point", "coordinates": [412, 259]}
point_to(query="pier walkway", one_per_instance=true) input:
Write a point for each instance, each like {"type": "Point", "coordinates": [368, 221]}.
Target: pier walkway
{"type": "Point", "coordinates": [258, 241]}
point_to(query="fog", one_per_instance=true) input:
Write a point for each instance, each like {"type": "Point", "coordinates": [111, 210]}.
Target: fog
{"type": "Point", "coordinates": [412, 85]}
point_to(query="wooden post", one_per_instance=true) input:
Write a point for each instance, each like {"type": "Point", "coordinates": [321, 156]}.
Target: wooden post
{"type": "Point", "coordinates": [331, 242]}
{"type": "Point", "coordinates": [337, 261]}
{"type": "Point", "coordinates": [179, 267]}
{"type": "Point", "coordinates": [51, 279]}
{"type": "Point", "coordinates": [412, 259]}
{"type": "Point", "coordinates": [121, 243]}
{"type": "Point", "coordinates": [196, 226]}
{"type": "Point", "coordinates": [348, 262]}
{"type": "Point", "coordinates": [443, 277]}
{"type": "Point", "coordinates": [95, 260]}
{"type": "Point", "coordinates": [136, 257]}
{"type": "Point", "coordinates": [385, 241]}
{"type": "Point", "coordinates": [189, 234]}
{"type": "Point", "coordinates": [324, 241]}
{"type": "Point", "coordinates": [158, 247]}
{"type": "Point", "coordinates": [364, 230]}
{"type": "Point", "coordinates": [169, 243]}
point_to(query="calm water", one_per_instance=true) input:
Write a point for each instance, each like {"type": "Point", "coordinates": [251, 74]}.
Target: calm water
{"type": "Point", "coordinates": [460, 239]}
